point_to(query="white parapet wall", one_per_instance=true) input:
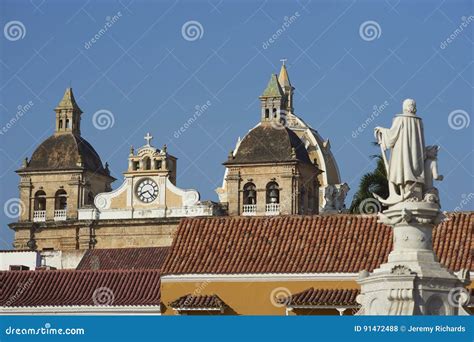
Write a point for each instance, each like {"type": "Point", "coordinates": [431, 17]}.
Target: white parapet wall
{"type": "Point", "coordinates": [30, 259]}
{"type": "Point", "coordinates": [62, 259]}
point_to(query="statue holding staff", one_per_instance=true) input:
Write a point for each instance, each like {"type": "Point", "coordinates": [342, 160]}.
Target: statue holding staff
{"type": "Point", "coordinates": [405, 170]}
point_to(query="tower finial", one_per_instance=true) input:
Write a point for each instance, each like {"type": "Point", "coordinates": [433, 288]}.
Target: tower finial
{"type": "Point", "coordinates": [68, 114]}
{"type": "Point", "coordinates": [283, 76]}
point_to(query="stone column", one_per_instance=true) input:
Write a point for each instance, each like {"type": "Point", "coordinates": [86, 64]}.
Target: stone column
{"type": "Point", "coordinates": [412, 282]}
{"type": "Point", "coordinates": [233, 192]}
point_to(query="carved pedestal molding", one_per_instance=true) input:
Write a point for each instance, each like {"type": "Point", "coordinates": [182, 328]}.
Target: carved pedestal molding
{"type": "Point", "coordinates": [412, 281]}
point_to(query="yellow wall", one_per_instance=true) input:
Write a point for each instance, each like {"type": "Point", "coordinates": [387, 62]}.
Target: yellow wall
{"type": "Point", "coordinates": [246, 297]}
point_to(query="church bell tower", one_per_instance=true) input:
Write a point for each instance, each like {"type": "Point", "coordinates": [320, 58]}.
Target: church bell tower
{"type": "Point", "coordinates": [68, 115]}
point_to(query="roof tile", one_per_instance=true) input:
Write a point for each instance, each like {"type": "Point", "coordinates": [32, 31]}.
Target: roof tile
{"type": "Point", "coordinates": [79, 287]}
{"type": "Point", "coordinates": [197, 302]}
{"type": "Point", "coordinates": [123, 258]}
{"type": "Point", "coordinates": [322, 297]}
{"type": "Point", "coordinates": [303, 244]}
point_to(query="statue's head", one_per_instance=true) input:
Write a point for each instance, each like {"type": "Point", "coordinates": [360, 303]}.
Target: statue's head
{"type": "Point", "coordinates": [409, 106]}
{"type": "Point", "coordinates": [431, 152]}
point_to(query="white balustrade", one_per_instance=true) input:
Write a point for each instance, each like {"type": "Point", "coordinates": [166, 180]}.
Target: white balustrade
{"type": "Point", "coordinates": [249, 209]}
{"type": "Point", "coordinates": [60, 215]}
{"type": "Point", "coordinates": [39, 216]}
{"type": "Point", "coordinates": [272, 209]}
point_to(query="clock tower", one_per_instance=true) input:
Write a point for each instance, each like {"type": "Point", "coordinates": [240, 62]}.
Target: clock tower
{"type": "Point", "coordinates": [149, 190]}
{"type": "Point", "coordinates": [149, 167]}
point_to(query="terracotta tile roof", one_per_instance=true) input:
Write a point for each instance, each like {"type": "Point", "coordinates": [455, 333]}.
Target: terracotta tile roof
{"type": "Point", "coordinates": [453, 241]}
{"type": "Point", "coordinates": [197, 302]}
{"type": "Point", "coordinates": [78, 288]}
{"type": "Point", "coordinates": [303, 244]}
{"type": "Point", "coordinates": [322, 297]}
{"type": "Point", "coordinates": [123, 258]}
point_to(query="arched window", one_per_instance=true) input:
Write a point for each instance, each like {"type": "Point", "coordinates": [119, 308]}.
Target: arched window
{"type": "Point", "coordinates": [274, 112]}
{"type": "Point", "coordinates": [60, 124]}
{"type": "Point", "coordinates": [273, 193]}
{"type": "Point", "coordinates": [250, 194]}
{"type": "Point", "coordinates": [267, 113]}
{"type": "Point", "coordinates": [147, 163]}
{"type": "Point", "coordinates": [67, 123]}
{"type": "Point", "coordinates": [40, 200]}
{"type": "Point", "coordinates": [60, 200]}
{"type": "Point", "coordinates": [157, 164]}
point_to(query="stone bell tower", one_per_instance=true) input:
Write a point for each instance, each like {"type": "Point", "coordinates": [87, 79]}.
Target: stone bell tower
{"type": "Point", "coordinates": [273, 103]}
{"type": "Point", "coordinates": [62, 176]}
{"type": "Point", "coordinates": [68, 115]}
{"type": "Point", "coordinates": [412, 281]}
{"type": "Point", "coordinates": [271, 173]}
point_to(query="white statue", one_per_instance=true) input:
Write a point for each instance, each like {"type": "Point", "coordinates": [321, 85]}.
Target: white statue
{"type": "Point", "coordinates": [334, 197]}
{"type": "Point", "coordinates": [342, 190]}
{"type": "Point", "coordinates": [412, 281]}
{"type": "Point", "coordinates": [329, 197]}
{"type": "Point", "coordinates": [406, 168]}
{"type": "Point", "coordinates": [431, 173]}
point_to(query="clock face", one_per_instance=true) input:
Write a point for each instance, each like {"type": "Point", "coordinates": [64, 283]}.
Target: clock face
{"type": "Point", "coordinates": [147, 191]}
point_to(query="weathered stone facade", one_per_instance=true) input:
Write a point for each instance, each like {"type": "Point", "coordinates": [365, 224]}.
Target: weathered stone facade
{"type": "Point", "coordinates": [281, 167]}
{"type": "Point", "coordinates": [271, 173]}
{"type": "Point", "coordinates": [64, 188]}
{"type": "Point", "coordinates": [277, 111]}
{"type": "Point", "coordinates": [80, 234]}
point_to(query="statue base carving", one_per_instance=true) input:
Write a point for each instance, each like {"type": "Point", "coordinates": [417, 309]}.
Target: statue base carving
{"type": "Point", "coordinates": [412, 281]}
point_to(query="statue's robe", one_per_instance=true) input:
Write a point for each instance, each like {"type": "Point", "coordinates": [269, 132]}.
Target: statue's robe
{"type": "Point", "coordinates": [406, 139]}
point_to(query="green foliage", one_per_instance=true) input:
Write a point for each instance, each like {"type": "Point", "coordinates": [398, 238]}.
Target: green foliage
{"type": "Point", "coordinates": [372, 182]}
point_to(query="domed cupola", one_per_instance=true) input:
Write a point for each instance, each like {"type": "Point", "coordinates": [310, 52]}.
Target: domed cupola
{"type": "Point", "coordinates": [270, 172]}
{"type": "Point", "coordinates": [268, 144]}
{"type": "Point", "coordinates": [64, 173]}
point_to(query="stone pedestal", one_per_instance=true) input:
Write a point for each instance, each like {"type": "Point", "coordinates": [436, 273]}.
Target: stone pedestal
{"type": "Point", "coordinates": [412, 281]}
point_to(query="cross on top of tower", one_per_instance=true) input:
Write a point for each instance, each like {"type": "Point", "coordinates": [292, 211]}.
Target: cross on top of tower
{"type": "Point", "coordinates": [148, 138]}
{"type": "Point", "coordinates": [283, 60]}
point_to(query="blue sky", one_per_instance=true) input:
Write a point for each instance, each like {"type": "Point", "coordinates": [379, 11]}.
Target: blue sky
{"type": "Point", "coordinates": [151, 76]}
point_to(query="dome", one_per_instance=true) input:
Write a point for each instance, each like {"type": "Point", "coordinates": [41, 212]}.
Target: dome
{"type": "Point", "coordinates": [63, 152]}
{"type": "Point", "coordinates": [266, 143]}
